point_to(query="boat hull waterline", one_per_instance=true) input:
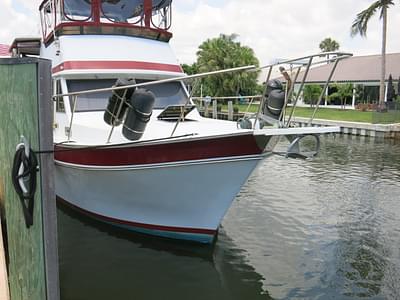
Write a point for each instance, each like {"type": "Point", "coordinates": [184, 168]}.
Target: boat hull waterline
{"type": "Point", "coordinates": [184, 199]}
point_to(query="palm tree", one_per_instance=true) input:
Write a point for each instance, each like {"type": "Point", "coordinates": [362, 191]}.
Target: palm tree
{"type": "Point", "coordinates": [360, 25]}
{"type": "Point", "coordinates": [328, 45]}
{"type": "Point", "coordinates": [343, 92]}
{"type": "Point", "coordinates": [221, 53]}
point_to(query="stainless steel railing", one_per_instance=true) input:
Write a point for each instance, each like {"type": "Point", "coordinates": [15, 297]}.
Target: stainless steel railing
{"type": "Point", "coordinates": [297, 66]}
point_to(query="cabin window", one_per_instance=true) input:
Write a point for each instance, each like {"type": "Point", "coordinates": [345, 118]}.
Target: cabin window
{"type": "Point", "coordinates": [90, 102]}
{"type": "Point", "coordinates": [128, 11]}
{"type": "Point", "coordinates": [47, 18]}
{"type": "Point", "coordinates": [78, 10]}
{"type": "Point", "coordinates": [169, 93]}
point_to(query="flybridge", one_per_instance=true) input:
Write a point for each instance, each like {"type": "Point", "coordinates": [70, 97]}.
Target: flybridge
{"type": "Point", "coordinates": [141, 18]}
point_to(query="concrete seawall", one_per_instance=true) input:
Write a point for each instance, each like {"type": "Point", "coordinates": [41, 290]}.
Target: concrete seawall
{"type": "Point", "coordinates": [389, 131]}
{"type": "Point", "coordinates": [383, 131]}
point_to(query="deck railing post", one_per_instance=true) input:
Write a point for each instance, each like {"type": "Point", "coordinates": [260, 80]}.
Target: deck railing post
{"type": "Point", "coordinates": [215, 110]}
{"type": "Point", "coordinates": [230, 111]}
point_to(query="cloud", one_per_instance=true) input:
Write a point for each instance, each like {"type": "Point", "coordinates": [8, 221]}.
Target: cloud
{"type": "Point", "coordinates": [273, 28]}
{"type": "Point", "coordinates": [18, 18]}
{"type": "Point", "coordinates": [279, 28]}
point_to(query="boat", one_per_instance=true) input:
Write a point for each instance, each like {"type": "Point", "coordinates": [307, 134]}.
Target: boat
{"type": "Point", "coordinates": [130, 146]}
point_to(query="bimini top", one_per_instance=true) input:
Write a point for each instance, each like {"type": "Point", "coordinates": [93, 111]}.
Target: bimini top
{"type": "Point", "coordinates": [141, 18]}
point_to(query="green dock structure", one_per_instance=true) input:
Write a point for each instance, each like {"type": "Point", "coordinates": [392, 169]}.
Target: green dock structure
{"type": "Point", "coordinates": [26, 109]}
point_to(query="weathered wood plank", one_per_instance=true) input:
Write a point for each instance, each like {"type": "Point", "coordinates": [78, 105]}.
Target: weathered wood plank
{"type": "Point", "coordinates": [19, 115]}
{"type": "Point", "coordinates": [45, 110]}
{"type": "Point", "coordinates": [215, 110]}
{"type": "Point", "coordinates": [230, 111]}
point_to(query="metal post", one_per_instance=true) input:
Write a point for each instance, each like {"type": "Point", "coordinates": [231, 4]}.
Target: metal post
{"type": "Point", "coordinates": [72, 118]}
{"type": "Point", "coordinates": [263, 96]}
{"type": "Point", "coordinates": [183, 109]}
{"type": "Point", "coordinates": [289, 95]}
{"type": "Point", "coordinates": [300, 90]}
{"type": "Point", "coordinates": [323, 91]}
{"type": "Point", "coordinates": [215, 110]}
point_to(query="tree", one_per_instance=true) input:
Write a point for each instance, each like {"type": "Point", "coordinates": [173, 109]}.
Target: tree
{"type": "Point", "coordinates": [398, 92]}
{"type": "Point", "coordinates": [329, 45]}
{"type": "Point", "coordinates": [360, 25]}
{"type": "Point", "coordinates": [190, 69]}
{"type": "Point", "coordinates": [311, 93]}
{"type": "Point", "coordinates": [391, 92]}
{"type": "Point", "coordinates": [223, 53]}
{"type": "Point", "coordinates": [343, 92]}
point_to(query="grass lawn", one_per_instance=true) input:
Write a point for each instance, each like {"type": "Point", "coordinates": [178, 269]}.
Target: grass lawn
{"type": "Point", "coordinates": [335, 114]}
{"type": "Point", "coordinates": [350, 115]}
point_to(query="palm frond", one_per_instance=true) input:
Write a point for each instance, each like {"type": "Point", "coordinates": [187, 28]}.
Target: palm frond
{"type": "Point", "coordinates": [386, 3]}
{"type": "Point", "coordinates": [360, 24]}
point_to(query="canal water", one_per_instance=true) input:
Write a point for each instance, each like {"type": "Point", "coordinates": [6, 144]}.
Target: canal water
{"type": "Point", "coordinates": [322, 229]}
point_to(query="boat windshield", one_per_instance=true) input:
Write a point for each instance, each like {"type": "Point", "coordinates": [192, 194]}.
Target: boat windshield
{"type": "Point", "coordinates": [127, 10]}
{"type": "Point", "coordinates": [78, 10]}
{"type": "Point", "coordinates": [167, 94]}
{"type": "Point", "coordinates": [121, 10]}
{"type": "Point", "coordinates": [93, 101]}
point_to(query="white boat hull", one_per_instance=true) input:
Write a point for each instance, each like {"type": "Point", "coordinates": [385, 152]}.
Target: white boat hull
{"type": "Point", "coordinates": [184, 200]}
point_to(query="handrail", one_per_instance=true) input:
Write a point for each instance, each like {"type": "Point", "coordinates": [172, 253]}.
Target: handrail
{"type": "Point", "coordinates": [298, 60]}
{"type": "Point", "coordinates": [180, 78]}
{"type": "Point", "coordinates": [226, 98]}
{"type": "Point", "coordinates": [173, 79]}
{"type": "Point", "coordinates": [251, 68]}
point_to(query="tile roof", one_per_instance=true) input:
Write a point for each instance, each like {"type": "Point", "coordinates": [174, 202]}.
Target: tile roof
{"type": "Point", "coordinates": [356, 69]}
{"type": "Point", "coordinates": [4, 50]}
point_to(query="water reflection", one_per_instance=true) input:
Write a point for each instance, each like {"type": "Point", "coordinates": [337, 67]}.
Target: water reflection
{"type": "Point", "coordinates": [326, 228]}
{"type": "Point", "coordinates": [322, 229]}
{"type": "Point", "coordinates": [101, 262]}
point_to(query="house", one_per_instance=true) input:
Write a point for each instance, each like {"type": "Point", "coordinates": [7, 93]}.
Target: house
{"type": "Point", "coordinates": [363, 72]}
{"type": "Point", "coordinates": [4, 51]}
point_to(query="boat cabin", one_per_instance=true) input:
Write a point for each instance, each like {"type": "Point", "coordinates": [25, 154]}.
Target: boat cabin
{"type": "Point", "coordinates": [93, 43]}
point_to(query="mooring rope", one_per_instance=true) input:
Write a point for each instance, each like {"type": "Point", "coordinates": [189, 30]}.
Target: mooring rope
{"type": "Point", "coordinates": [23, 176]}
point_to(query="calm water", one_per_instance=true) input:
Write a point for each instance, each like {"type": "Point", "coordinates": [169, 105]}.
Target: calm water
{"type": "Point", "coordinates": [322, 229]}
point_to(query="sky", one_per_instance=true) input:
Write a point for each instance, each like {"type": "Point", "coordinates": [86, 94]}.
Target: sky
{"type": "Point", "coordinates": [275, 29]}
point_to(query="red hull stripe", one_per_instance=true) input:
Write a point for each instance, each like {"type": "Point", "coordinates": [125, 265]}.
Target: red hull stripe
{"type": "Point", "coordinates": [138, 225]}
{"type": "Point", "coordinates": [118, 65]}
{"type": "Point", "coordinates": [162, 153]}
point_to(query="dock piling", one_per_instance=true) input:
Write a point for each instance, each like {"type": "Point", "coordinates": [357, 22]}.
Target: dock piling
{"type": "Point", "coordinates": [26, 109]}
